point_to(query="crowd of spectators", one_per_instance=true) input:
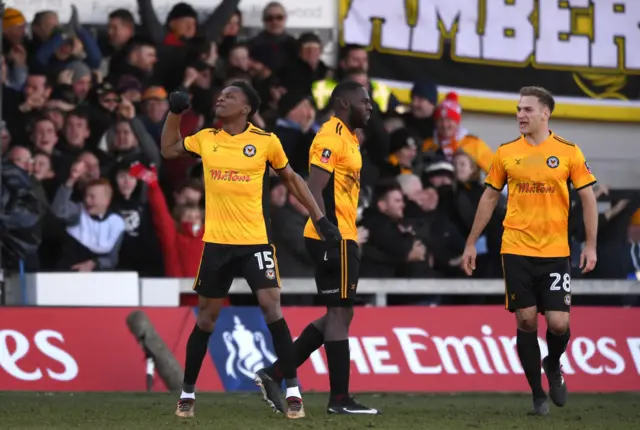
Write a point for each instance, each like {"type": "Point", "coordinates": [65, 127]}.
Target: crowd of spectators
{"type": "Point", "coordinates": [83, 110]}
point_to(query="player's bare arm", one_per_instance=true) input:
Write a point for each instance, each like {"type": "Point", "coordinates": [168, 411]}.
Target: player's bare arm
{"type": "Point", "coordinates": [588, 258]}
{"type": "Point", "coordinates": [298, 187]}
{"type": "Point", "coordinates": [171, 145]}
{"type": "Point", "coordinates": [487, 204]}
{"type": "Point", "coordinates": [318, 180]}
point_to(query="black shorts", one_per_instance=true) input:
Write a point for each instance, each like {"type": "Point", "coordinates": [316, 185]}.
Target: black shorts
{"type": "Point", "coordinates": [220, 263]}
{"type": "Point", "coordinates": [536, 281]}
{"type": "Point", "coordinates": [336, 271]}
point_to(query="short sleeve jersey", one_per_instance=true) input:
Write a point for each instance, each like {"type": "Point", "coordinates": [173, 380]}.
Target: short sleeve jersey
{"type": "Point", "coordinates": [537, 177]}
{"type": "Point", "coordinates": [336, 150]}
{"type": "Point", "coordinates": [236, 182]}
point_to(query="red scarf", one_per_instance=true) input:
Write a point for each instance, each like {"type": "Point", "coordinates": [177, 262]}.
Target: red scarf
{"type": "Point", "coordinates": [172, 39]}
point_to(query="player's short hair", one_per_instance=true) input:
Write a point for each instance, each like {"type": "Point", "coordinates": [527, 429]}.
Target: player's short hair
{"type": "Point", "coordinates": [543, 95]}
{"type": "Point", "coordinates": [250, 93]}
{"type": "Point", "coordinates": [342, 90]}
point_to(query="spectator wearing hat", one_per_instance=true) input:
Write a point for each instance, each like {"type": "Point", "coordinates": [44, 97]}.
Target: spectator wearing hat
{"type": "Point", "coordinates": [74, 83]}
{"type": "Point", "coordinates": [404, 148]}
{"type": "Point", "coordinates": [307, 66]}
{"type": "Point", "coordinates": [182, 22]}
{"type": "Point", "coordinates": [69, 43]}
{"type": "Point", "coordinates": [419, 119]}
{"type": "Point", "coordinates": [129, 88]}
{"type": "Point", "coordinates": [181, 26]}
{"type": "Point", "coordinates": [274, 40]}
{"type": "Point", "coordinates": [296, 128]}
{"type": "Point", "coordinates": [14, 29]}
{"type": "Point", "coordinates": [155, 106]}
{"type": "Point", "coordinates": [451, 137]}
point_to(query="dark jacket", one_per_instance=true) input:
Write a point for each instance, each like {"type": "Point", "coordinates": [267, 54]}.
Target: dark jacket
{"type": "Point", "coordinates": [387, 249]}
{"type": "Point", "coordinates": [288, 228]}
{"type": "Point", "coordinates": [296, 143]}
{"type": "Point", "coordinates": [20, 216]}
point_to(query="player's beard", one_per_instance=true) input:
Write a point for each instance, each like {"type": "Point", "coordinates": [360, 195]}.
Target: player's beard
{"type": "Point", "coordinates": [356, 120]}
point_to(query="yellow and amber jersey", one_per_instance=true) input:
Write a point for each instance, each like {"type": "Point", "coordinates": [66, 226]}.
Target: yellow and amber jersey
{"type": "Point", "coordinates": [336, 150]}
{"type": "Point", "coordinates": [475, 147]}
{"type": "Point", "coordinates": [537, 177]}
{"type": "Point", "coordinates": [236, 182]}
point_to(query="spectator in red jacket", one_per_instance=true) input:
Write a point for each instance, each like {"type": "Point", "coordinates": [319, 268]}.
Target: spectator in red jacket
{"type": "Point", "coordinates": [180, 237]}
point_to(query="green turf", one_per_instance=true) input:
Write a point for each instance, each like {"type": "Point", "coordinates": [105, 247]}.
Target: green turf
{"type": "Point", "coordinates": [232, 411]}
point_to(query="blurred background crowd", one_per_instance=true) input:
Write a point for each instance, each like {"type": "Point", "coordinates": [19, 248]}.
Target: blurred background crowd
{"type": "Point", "coordinates": [83, 110]}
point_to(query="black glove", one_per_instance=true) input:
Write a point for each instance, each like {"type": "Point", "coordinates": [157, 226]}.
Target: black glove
{"type": "Point", "coordinates": [329, 232]}
{"type": "Point", "coordinates": [178, 102]}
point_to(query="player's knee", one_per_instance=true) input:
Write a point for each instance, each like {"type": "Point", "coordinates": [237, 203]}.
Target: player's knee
{"type": "Point", "coordinates": [206, 321]}
{"type": "Point", "coordinates": [527, 323]}
{"type": "Point", "coordinates": [320, 323]}
{"type": "Point", "coordinates": [208, 312]}
{"type": "Point", "coordinates": [527, 319]}
{"type": "Point", "coordinates": [558, 325]}
{"type": "Point", "coordinates": [340, 316]}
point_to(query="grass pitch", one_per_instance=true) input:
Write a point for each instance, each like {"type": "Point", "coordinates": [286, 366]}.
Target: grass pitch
{"type": "Point", "coordinates": [120, 411]}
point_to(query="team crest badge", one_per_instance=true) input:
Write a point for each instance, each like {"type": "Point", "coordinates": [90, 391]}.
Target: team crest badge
{"type": "Point", "coordinates": [553, 162]}
{"type": "Point", "coordinates": [249, 150]}
{"type": "Point", "coordinates": [270, 274]}
{"type": "Point", "coordinates": [326, 154]}
{"type": "Point", "coordinates": [567, 299]}
{"type": "Point", "coordinates": [586, 165]}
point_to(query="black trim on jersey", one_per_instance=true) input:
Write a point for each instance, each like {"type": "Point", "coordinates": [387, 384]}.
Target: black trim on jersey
{"type": "Point", "coordinates": [266, 202]}
{"type": "Point", "coordinates": [339, 129]}
{"type": "Point", "coordinates": [281, 169]}
{"type": "Point", "coordinates": [191, 153]}
{"type": "Point", "coordinates": [322, 168]}
{"type": "Point", "coordinates": [486, 184]}
{"type": "Point", "coordinates": [215, 131]}
{"type": "Point", "coordinates": [511, 141]}
{"type": "Point", "coordinates": [329, 197]}
{"type": "Point", "coordinates": [561, 140]}
{"type": "Point", "coordinates": [259, 132]}
{"type": "Point", "coordinates": [585, 186]}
